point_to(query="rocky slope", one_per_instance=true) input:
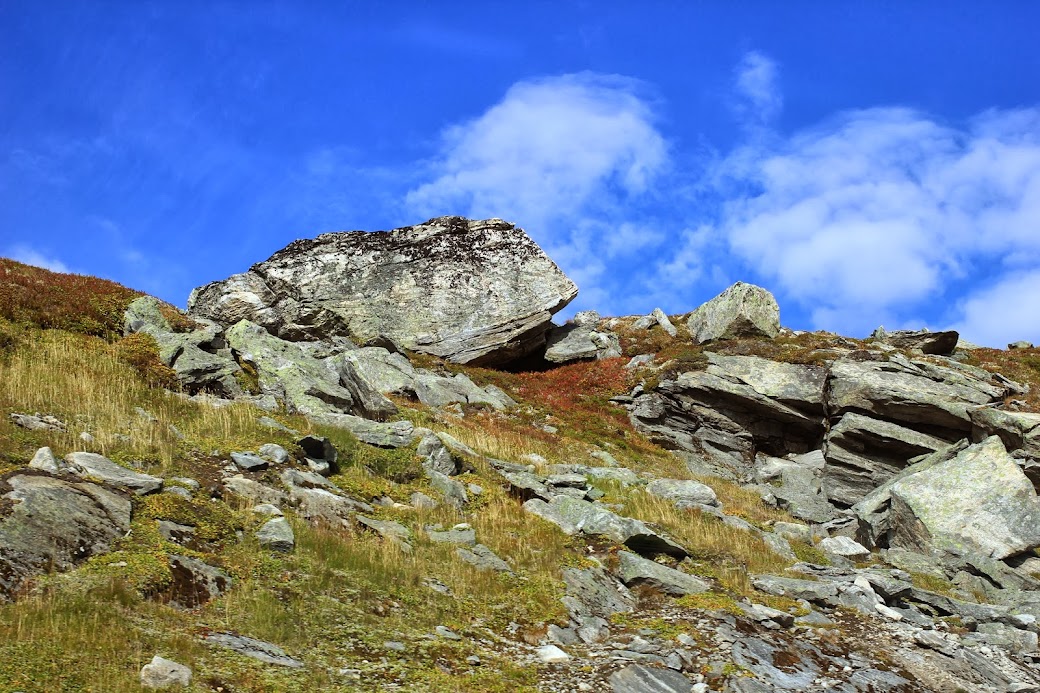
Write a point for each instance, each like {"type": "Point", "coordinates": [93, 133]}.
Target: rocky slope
{"type": "Point", "coordinates": [301, 486]}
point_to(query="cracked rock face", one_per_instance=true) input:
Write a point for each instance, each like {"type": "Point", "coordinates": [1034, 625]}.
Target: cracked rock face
{"type": "Point", "coordinates": [479, 292]}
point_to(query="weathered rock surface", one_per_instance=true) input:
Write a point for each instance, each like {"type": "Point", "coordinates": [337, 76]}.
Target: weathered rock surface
{"type": "Point", "coordinates": [862, 453]}
{"type": "Point", "coordinates": [683, 491]}
{"type": "Point", "coordinates": [636, 570]}
{"type": "Point", "coordinates": [477, 292]}
{"type": "Point", "coordinates": [277, 535]}
{"type": "Point", "coordinates": [164, 673]}
{"type": "Point", "coordinates": [637, 678]}
{"type": "Point", "coordinates": [742, 310]}
{"type": "Point", "coordinates": [304, 382]}
{"type": "Point", "coordinates": [919, 340]}
{"type": "Point", "coordinates": [979, 502]}
{"type": "Point", "coordinates": [912, 392]}
{"type": "Point", "coordinates": [195, 582]}
{"type": "Point", "coordinates": [90, 465]}
{"type": "Point", "coordinates": [581, 340]}
{"type": "Point", "coordinates": [54, 524]}
{"type": "Point", "coordinates": [573, 515]}
{"type": "Point", "coordinates": [737, 406]}
{"type": "Point", "coordinates": [257, 649]}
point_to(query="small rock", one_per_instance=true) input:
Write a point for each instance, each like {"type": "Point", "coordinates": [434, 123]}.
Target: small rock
{"type": "Point", "coordinates": [267, 509]}
{"type": "Point", "coordinates": [277, 535]}
{"type": "Point", "coordinates": [257, 649]}
{"type": "Point", "coordinates": [248, 462]}
{"type": "Point", "coordinates": [274, 452]}
{"type": "Point", "coordinates": [44, 461]}
{"type": "Point", "coordinates": [1021, 344]}
{"type": "Point", "coordinates": [422, 501]}
{"type": "Point", "coordinates": [87, 438]}
{"type": "Point", "coordinates": [165, 673]}
{"type": "Point", "coordinates": [447, 633]}
{"type": "Point", "coordinates": [551, 654]}
{"type": "Point", "coordinates": [844, 546]}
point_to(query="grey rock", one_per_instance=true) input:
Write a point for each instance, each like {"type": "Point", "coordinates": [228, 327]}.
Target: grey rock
{"type": "Point", "coordinates": [393, 434]}
{"type": "Point", "coordinates": [926, 342]}
{"type": "Point", "coordinates": [527, 485]}
{"type": "Point", "coordinates": [248, 461]}
{"type": "Point", "coordinates": [636, 570]}
{"type": "Point", "coordinates": [324, 507]}
{"type": "Point", "coordinates": [254, 491]}
{"type": "Point", "coordinates": [742, 310]}
{"type": "Point", "coordinates": [44, 461]}
{"type": "Point", "coordinates": [277, 535]}
{"type": "Point", "coordinates": [1021, 344]}
{"type": "Point", "coordinates": [55, 524]}
{"type": "Point", "coordinates": [579, 342]}
{"type": "Point", "coordinates": [274, 453]}
{"type": "Point", "coordinates": [623, 476]}
{"type": "Point", "coordinates": [862, 453]}
{"type": "Point", "coordinates": [659, 316]}
{"type": "Point", "coordinates": [760, 612]}
{"type": "Point", "coordinates": [267, 509]}
{"type": "Point", "coordinates": [843, 546]}
{"type": "Point", "coordinates": [483, 558]}
{"type": "Point", "coordinates": [388, 529]}
{"type": "Point", "coordinates": [194, 582]}
{"type": "Point", "coordinates": [257, 649]}
{"type": "Point", "coordinates": [451, 490]}
{"type": "Point", "coordinates": [980, 502]}
{"type": "Point", "coordinates": [476, 292]}
{"type": "Point", "coordinates": [912, 392]}
{"type": "Point", "coordinates": [177, 533]}
{"type": "Point", "coordinates": [306, 384]}
{"type": "Point", "coordinates": [1019, 431]}
{"type": "Point", "coordinates": [551, 654]}
{"type": "Point", "coordinates": [637, 678]}
{"type": "Point", "coordinates": [90, 465]}
{"type": "Point", "coordinates": [37, 422]}
{"type": "Point", "coordinates": [682, 491]}
{"type": "Point", "coordinates": [164, 673]}
{"type": "Point", "coordinates": [436, 456]}
{"type": "Point", "coordinates": [820, 592]}
{"type": "Point", "coordinates": [794, 530]}
{"type": "Point", "coordinates": [736, 407]}
{"type": "Point", "coordinates": [573, 516]}
{"type": "Point", "coordinates": [422, 501]}
{"type": "Point", "coordinates": [464, 536]}
{"type": "Point", "coordinates": [268, 422]}
{"type": "Point", "coordinates": [591, 598]}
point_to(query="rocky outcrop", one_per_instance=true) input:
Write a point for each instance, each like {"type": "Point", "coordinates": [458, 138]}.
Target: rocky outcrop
{"type": "Point", "coordinates": [53, 524]}
{"type": "Point", "coordinates": [736, 407]}
{"type": "Point", "coordinates": [921, 341]}
{"type": "Point", "coordinates": [742, 310]}
{"type": "Point", "coordinates": [581, 340]}
{"type": "Point", "coordinates": [478, 292]}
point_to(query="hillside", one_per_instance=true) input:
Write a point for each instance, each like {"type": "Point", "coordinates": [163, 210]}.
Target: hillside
{"type": "Point", "coordinates": [290, 488]}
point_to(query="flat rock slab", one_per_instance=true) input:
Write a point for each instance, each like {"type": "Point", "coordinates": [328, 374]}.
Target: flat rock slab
{"type": "Point", "coordinates": [248, 462]}
{"type": "Point", "coordinates": [478, 292]}
{"type": "Point", "coordinates": [88, 464]}
{"type": "Point", "coordinates": [573, 516]}
{"type": "Point", "coordinates": [637, 678]}
{"type": "Point", "coordinates": [257, 649]}
{"type": "Point", "coordinates": [683, 491]}
{"type": "Point", "coordinates": [55, 524]}
{"type": "Point", "coordinates": [636, 570]}
{"type": "Point", "coordinates": [483, 558]}
{"type": "Point", "coordinates": [395, 434]}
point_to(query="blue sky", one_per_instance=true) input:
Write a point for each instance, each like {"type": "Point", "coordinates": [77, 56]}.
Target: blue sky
{"type": "Point", "coordinates": [868, 162]}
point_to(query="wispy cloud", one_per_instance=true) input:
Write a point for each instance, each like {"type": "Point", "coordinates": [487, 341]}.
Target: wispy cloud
{"type": "Point", "coordinates": [757, 96]}
{"type": "Point", "coordinates": [31, 256]}
{"type": "Point", "coordinates": [880, 211]}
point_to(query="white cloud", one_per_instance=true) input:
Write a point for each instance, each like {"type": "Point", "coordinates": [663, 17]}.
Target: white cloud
{"type": "Point", "coordinates": [551, 149]}
{"type": "Point", "coordinates": [1006, 312]}
{"type": "Point", "coordinates": [881, 211]}
{"type": "Point", "coordinates": [30, 256]}
{"type": "Point", "coordinates": [759, 99]}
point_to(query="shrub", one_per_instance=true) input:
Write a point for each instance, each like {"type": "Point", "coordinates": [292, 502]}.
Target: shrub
{"type": "Point", "coordinates": [77, 303]}
{"type": "Point", "coordinates": [141, 352]}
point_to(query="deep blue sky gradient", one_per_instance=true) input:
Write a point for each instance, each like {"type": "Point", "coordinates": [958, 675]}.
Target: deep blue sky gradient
{"type": "Point", "coordinates": [168, 144]}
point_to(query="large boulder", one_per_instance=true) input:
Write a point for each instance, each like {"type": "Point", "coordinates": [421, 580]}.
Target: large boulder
{"type": "Point", "coordinates": [477, 292]}
{"type": "Point", "coordinates": [54, 524]}
{"type": "Point", "coordinates": [977, 502]}
{"type": "Point", "coordinates": [742, 310]}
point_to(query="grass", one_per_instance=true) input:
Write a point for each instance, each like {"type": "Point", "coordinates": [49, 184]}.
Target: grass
{"type": "Point", "coordinates": [1020, 365]}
